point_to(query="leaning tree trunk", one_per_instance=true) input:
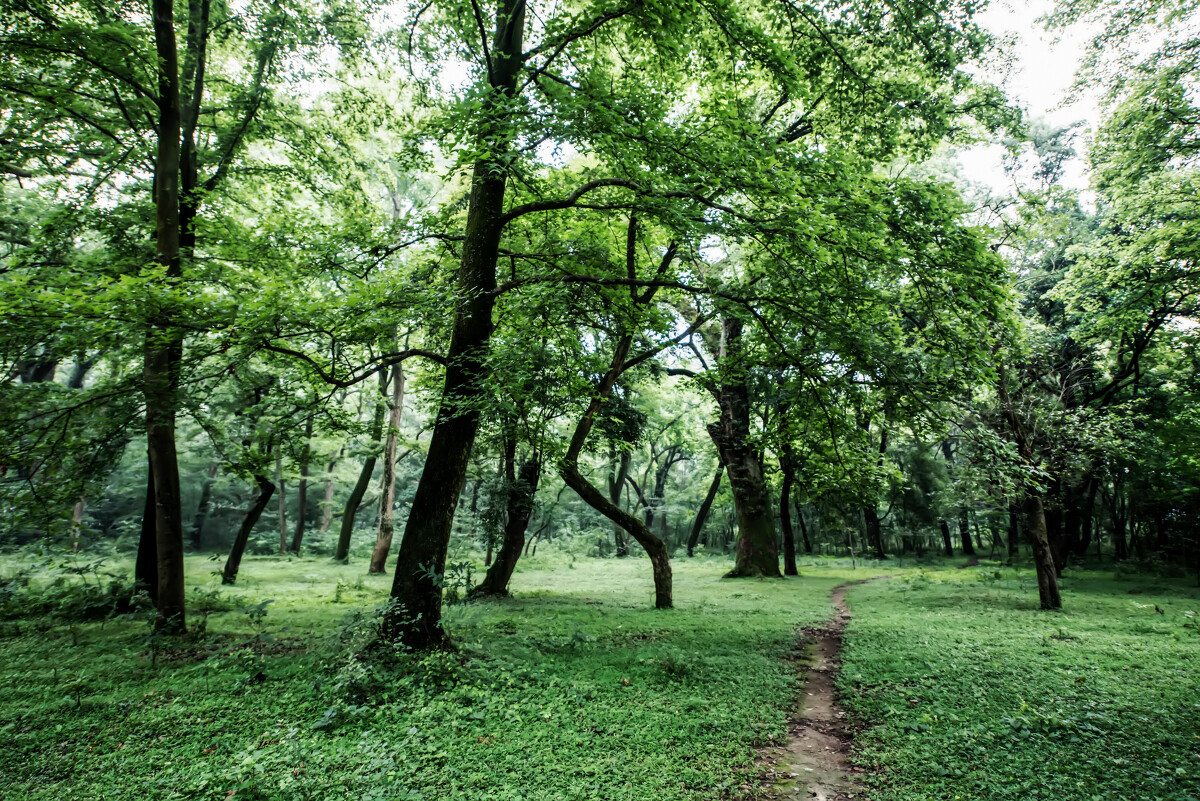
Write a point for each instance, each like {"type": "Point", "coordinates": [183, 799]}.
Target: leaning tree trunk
{"type": "Point", "coordinates": [1035, 531]}
{"type": "Point", "coordinates": [702, 513]}
{"type": "Point", "coordinates": [263, 490]}
{"type": "Point", "coordinates": [756, 553]}
{"type": "Point", "coordinates": [785, 514]}
{"type": "Point", "coordinates": [163, 350]}
{"type": "Point", "coordinates": [656, 550]}
{"type": "Point", "coordinates": [387, 500]}
{"type": "Point", "coordinates": [521, 494]}
{"type": "Point", "coordinates": [415, 617]}
{"type": "Point", "coordinates": [342, 552]}
{"type": "Point", "coordinates": [947, 542]}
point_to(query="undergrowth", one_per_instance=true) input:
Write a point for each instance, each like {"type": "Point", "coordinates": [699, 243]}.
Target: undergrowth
{"type": "Point", "coordinates": [971, 692]}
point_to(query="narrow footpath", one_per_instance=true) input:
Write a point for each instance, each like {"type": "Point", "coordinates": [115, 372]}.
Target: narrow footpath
{"type": "Point", "coordinates": [813, 764]}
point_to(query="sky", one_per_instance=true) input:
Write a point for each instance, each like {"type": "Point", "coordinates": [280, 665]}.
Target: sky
{"type": "Point", "coordinates": [1040, 80]}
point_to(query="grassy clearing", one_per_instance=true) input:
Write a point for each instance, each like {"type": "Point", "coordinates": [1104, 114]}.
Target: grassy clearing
{"type": "Point", "coordinates": [979, 695]}
{"type": "Point", "coordinates": [575, 689]}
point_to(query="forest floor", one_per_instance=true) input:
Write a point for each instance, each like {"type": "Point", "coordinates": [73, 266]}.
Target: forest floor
{"type": "Point", "coordinates": [954, 684]}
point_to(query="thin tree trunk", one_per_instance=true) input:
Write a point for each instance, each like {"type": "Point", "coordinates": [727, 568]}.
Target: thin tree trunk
{"type": "Point", "coordinates": [947, 542]}
{"type": "Point", "coordinates": [1014, 518]}
{"type": "Point", "coordinates": [520, 503]}
{"type": "Point", "coordinates": [616, 484]}
{"type": "Point", "coordinates": [302, 489]}
{"type": "Point", "coordinates": [283, 526]}
{"type": "Point", "coordinates": [196, 535]}
{"type": "Point", "coordinates": [1034, 515]}
{"type": "Point", "coordinates": [327, 505]}
{"type": "Point", "coordinates": [1035, 530]}
{"type": "Point", "coordinates": [164, 342]}
{"type": "Point", "coordinates": [702, 512]}
{"type": "Point", "coordinates": [808, 546]}
{"type": "Point", "coordinates": [145, 570]}
{"type": "Point", "coordinates": [416, 616]}
{"type": "Point", "coordinates": [964, 533]}
{"type": "Point", "coordinates": [785, 516]}
{"type": "Point", "coordinates": [387, 500]}
{"type": "Point", "coordinates": [263, 490]}
{"type": "Point", "coordinates": [756, 551]}
{"type": "Point", "coordinates": [342, 552]}
{"type": "Point", "coordinates": [1087, 515]}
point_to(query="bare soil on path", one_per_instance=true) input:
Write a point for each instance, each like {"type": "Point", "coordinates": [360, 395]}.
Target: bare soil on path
{"type": "Point", "coordinates": [813, 765]}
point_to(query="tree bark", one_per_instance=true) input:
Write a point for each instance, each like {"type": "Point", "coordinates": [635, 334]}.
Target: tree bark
{"type": "Point", "coordinates": [964, 533]}
{"type": "Point", "coordinates": [302, 489]}
{"type": "Point", "coordinates": [327, 505]}
{"type": "Point", "coordinates": [616, 484]}
{"type": "Point", "coordinates": [947, 542]}
{"type": "Point", "coordinates": [520, 503]}
{"type": "Point", "coordinates": [164, 341]}
{"type": "Point", "coordinates": [145, 570]}
{"type": "Point", "coordinates": [1014, 517]}
{"type": "Point", "coordinates": [387, 500]}
{"type": "Point", "coordinates": [196, 535]}
{"type": "Point", "coordinates": [1088, 515]}
{"type": "Point", "coordinates": [1035, 531]}
{"type": "Point", "coordinates": [1034, 515]}
{"type": "Point", "coordinates": [342, 552]}
{"type": "Point", "coordinates": [785, 515]}
{"type": "Point", "coordinates": [263, 490]}
{"type": "Point", "coordinates": [283, 526]}
{"type": "Point", "coordinates": [756, 552]}
{"type": "Point", "coordinates": [702, 513]}
{"type": "Point", "coordinates": [416, 615]}
{"type": "Point", "coordinates": [808, 546]}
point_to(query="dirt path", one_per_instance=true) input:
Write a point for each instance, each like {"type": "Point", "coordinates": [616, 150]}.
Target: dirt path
{"type": "Point", "coordinates": [814, 764]}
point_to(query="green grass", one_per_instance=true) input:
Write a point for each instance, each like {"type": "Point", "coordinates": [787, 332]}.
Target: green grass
{"type": "Point", "coordinates": [574, 689]}
{"type": "Point", "coordinates": [979, 695]}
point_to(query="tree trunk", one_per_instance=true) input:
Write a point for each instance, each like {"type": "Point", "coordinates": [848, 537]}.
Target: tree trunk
{"type": "Point", "coordinates": [263, 490]}
{"type": "Point", "coordinates": [145, 569]}
{"type": "Point", "coordinates": [1034, 515]}
{"type": "Point", "coordinates": [283, 526]}
{"type": "Point", "coordinates": [1014, 517]}
{"type": "Point", "coordinates": [756, 552]}
{"type": "Point", "coordinates": [327, 505]}
{"type": "Point", "coordinates": [387, 500]}
{"type": "Point", "coordinates": [1053, 510]}
{"type": "Point", "coordinates": [1087, 515]}
{"type": "Point", "coordinates": [196, 535]}
{"type": "Point", "coordinates": [808, 546]}
{"type": "Point", "coordinates": [342, 552]}
{"type": "Point", "coordinates": [1035, 531]}
{"type": "Point", "coordinates": [164, 342]}
{"type": "Point", "coordinates": [302, 489]}
{"type": "Point", "coordinates": [964, 533]}
{"type": "Point", "coordinates": [702, 513]}
{"type": "Point", "coordinates": [785, 515]}
{"type": "Point", "coordinates": [416, 616]}
{"type": "Point", "coordinates": [616, 484]}
{"type": "Point", "coordinates": [874, 530]}
{"type": "Point", "coordinates": [520, 503]}
{"type": "Point", "coordinates": [947, 542]}
{"type": "Point", "coordinates": [656, 550]}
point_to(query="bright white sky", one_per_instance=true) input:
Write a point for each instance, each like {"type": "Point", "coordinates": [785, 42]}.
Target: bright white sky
{"type": "Point", "coordinates": [1040, 80]}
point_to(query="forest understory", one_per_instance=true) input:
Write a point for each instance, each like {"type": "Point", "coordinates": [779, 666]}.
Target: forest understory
{"type": "Point", "coordinates": [953, 685]}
